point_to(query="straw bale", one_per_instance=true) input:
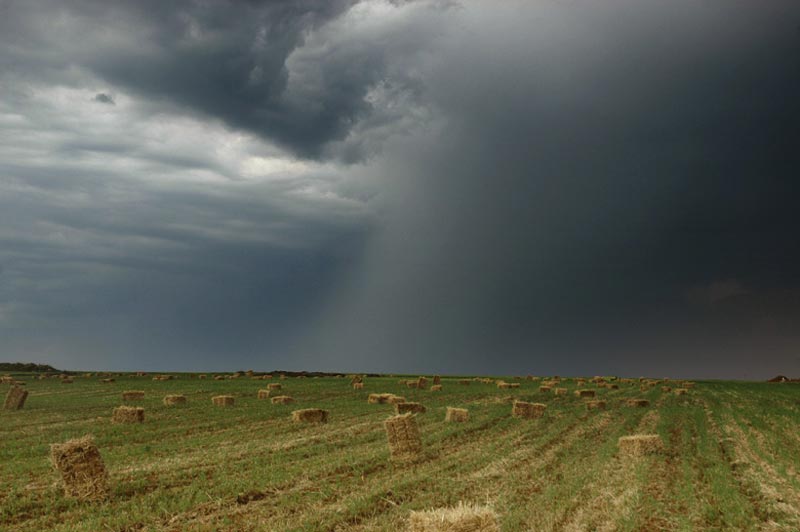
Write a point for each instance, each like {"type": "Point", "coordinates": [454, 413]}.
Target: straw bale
{"type": "Point", "coordinates": [81, 467]}
{"type": "Point", "coordinates": [527, 410]}
{"type": "Point", "coordinates": [403, 436]}
{"type": "Point", "coordinates": [310, 415]}
{"type": "Point", "coordinates": [456, 414]}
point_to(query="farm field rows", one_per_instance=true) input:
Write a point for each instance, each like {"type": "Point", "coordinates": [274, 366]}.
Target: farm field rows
{"type": "Point", "coordinates": [730, 458]}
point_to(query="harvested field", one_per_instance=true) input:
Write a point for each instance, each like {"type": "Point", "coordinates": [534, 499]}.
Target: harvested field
{"type": "Point", "coordinates": [727, 460]}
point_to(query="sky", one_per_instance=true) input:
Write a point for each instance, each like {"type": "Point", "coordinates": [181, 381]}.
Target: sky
{"type": "Point", "coordinates": [573, 187]}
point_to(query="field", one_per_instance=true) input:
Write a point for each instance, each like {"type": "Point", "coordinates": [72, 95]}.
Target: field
{"type": "Point", "coordinates": [730, 459]}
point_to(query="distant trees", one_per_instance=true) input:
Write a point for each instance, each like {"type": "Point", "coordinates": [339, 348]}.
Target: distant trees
{"type": "Point", "coordinates": [27, 367]}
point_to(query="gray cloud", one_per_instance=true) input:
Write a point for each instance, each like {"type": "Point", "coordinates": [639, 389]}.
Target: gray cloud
{"type": "Point", "coordinates": [102, 97]}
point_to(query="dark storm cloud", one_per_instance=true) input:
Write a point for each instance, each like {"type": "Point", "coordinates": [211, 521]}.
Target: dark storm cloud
{"type": "Point", "coordinates": [102, 97]}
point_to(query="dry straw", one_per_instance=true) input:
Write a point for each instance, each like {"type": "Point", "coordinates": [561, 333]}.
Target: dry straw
{"type": "Point", "coordinates": [81, 467]}
{"type": "Point", "coordinates": [171, 400]}
{"type": "Point", "coordinates": [202, 376]}
{"type": "Point", "coordinates": [465, 382]}
{"type": "Point", "coordinates": [456, 414]}
{"type": "Point", "coordinates": [263, 394]}
{"type": "Point", "coordinates": [402, 434]}
{"type": "Point", "coordinates": [640, 445]}
{"type": "Point", "coordinates": [436, 388]}
{"type": "Point", "coordinates": [560, 391]}
{"type": "Point", "coordinates": [274, 386]}
{"type": "Point", "coordinates": [642, 403]}
{"type": "Point", "coordinates": [310, 415]}
{"type": "Point", "coordinates": [422, 383]}
{"type": "Point", "coordinates": [223, 400]}
{"type": "Point", "coordinates": [437, 380]}
{"type": "Point", "coordinates": [15, 398]}
{"type": "Point", "coordinates": [595, 405]}
{"type": "Point", "coordinates": [282, 400]}
{"type": "Point", "coordinates": [411, 384]}
{"type": "Point", "coordinates": [527, 410]}
{"type": "Point", "coordinates": [681, 391]}
{"type": "Point", "coordinates": [67, 380]}
{"type": "Point", "coordinates": [613, 386]}
{"type": "Point", "coordinates": [108, 381]}
{"type": "Point", "coordinates": [132, 395]}
{"type": "Point", "coordinates": [585, 393]}
{"type": "Point", "coordinates": [545, 389]}
{"type": "Point", "coordinates": [667, 389]}
{"type": "Point", "coordinates": [128, 414]}
{"type": "Point", "coordinates": [503, 384]}
{"type": "Point", "coordinates": [358, 385]}
{"type": "Point", "coordinates": [385, 398]}
{"type": "Point", "coordinates": [462, 518]}
{"type": "Point", "coordinates": [413, 408]}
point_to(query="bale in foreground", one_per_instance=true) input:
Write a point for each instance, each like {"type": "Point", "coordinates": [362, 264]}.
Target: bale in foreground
{"type": "Point", "coordinates": [402, 434]}
{"type": "Point", "coordinates": [128, 414]}
{"type": "Point", "coordinates": [170, 400]}
{"type": "Point", "coordinates": [456, 414]}
{"type": "Point", "coordinates": [223, 400]}
{"type": "Point", "coordinates": [310, 415]}
{"type": "Point", "coordinates": [462, 518]}
{"type": "Point", "coordinates": [82, 469]}
{"type": "Point", "coordinates": [15, 398]}
{"type": "Point", "coordinates": [640, 445]}
{"type": "Point", "coordinates": [527, 410]}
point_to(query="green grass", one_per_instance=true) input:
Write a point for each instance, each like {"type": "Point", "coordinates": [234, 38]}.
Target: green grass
{"type": "Point", "coordinates": [186, 466]}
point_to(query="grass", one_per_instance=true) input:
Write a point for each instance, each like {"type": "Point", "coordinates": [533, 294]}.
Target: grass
{"type": "Point", "coordinates": [199, 467]}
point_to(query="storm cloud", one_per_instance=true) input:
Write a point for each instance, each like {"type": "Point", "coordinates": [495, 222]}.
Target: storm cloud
{"type": "Point", "coordinates": [519, 187]}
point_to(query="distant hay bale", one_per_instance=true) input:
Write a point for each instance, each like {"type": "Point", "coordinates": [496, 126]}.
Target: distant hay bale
{"type": "Point", "coordinates": [223, 400]}
{"type": "Point", "coordinates": [128, 414]}
{"type": "Point", "coordinates": [585, 393]}
{"type": "Point", "coordinates": [640, 445]}
{"type": "Point", "coordinates": [422, 383]}
{"type": "Point", "coordinates": [132, 395]}
{"type": "Point", "coordinates": [595, 405]}
{"type": "Point", "coordinates": [688, 385]}
{"type": "Point", "coordinates": [274, 386]}
{"type": "Point", "coordinates": [503, 384]}
{"type": "Point", "coordinates": [681, 391]}
{"type": "Point", "coordinates": [456, 414]}
{"type": "Point", "coordinates": [380, 398]}
{"type": "Point", "coordinates": [356, 379]}
{"type": "Point", "coordinates": [282, 400]}
{"type": "Point", "coordinates": [545, 389]}
{"type": "Point", "coordinates": [666, 389]}
{"type": "Point", "coordinates": [358, 385]}
{"type": "Point", "coordinates": [465, 382]}
{"type": "Point", "coordinates": [81, 467]}
{"type": "Point", "coordinates": [602, 385]}
{"type": "Point", "coordinates": [310, 415]}
{"type": "Point", "coordinates": [67, 380]}
{"type": "Point", "coordinates": [527, 410]}
{"type": "Point", "coordinates": [462, 518]}
{"type": "Point", "coordinates": [436, 388]}
{"type": "Point", "coordinates": [219, 377]}
{"type": "Point", "coordinates": [108, 381]}
{"type": "Point", "coordinates": [411, 384]}
{"type": "Point", "coordinates": [395, 399]}
{"type": "Point", "coordinates": [414, 408]}
{"type": "Point", "coordinates": [15, 398]}
{"type": "Point", "coordinates": [171, 400]}
{"type": "Point", "coordinates": [437, 380]}
{"type": "Point", "coordinates": [263, 394]}
{"type": "Point", "coordinates": [201, 377]}
{"type": "Point", "coordinates": [613, 386]}
{"type": "Point", "coordinates": [403, 436]}
{"type": "Point", "coordinates": [640, 403]}
{"type": "Point", "coordinates": [560, 391]}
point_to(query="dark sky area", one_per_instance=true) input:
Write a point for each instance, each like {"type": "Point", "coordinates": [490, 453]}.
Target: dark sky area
{"type": "Point", "coordinates": [548, 187]}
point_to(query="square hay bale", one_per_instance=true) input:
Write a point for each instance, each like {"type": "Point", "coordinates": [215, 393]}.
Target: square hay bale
{"type": "Point", "coordinates": [172, 400]}
{"type": "Point", "coordinates": [202, 377]}
{"type": "Point", "coordinates": [108, 381]}
{"type": "Point", "coordinates": [402, 434]}
{"type": "Point", "coordinates": [465, 382]}
{"type": "Point", "coordinates": [263, 394]}
{"type": "Point", "coordinates": [274, 386]}
{"type": "Point", "coordinates": [82, 469]}
{"type": "Point", "coordinates": [666, 389]}
{"type": "Point", "coordinates": [358, 385]}
{"type": "Point", "coordinates": [595, 405]}
{"type": "Point", "coordinates": [613, 386]}
{"type": "Point", "coordinates": [640, 445]}
{"type": "Point", "coordinates": [223, 400]}
{"type": "Point", "coordinates": [639, 403]}
{"type": "Point", "coordinates": [132, 395]}
{"type": "Point", "coordinates": [394, 399]}
{"type": "Point", "coordinates": [681, 391]}
{"type": "Point", "coordinates": [456, 414]}
{"type": "Point", "coordinates": [219, 377]}
{"type": "Point", "coordinates": [503, 385]}
{"type": "Point", "coordinates": [527, 410]}
{"type": "Point", "coordinates": [560, 391]}
{"type": "Point", "coordinates": [67, 380]}
{"type": "Point", "coordinates": [310, 415]}
{"type": "Point", "coordinates": [422, 383]}
{"type": "Point", "coordinates": [688, 385]}
{"type": "Point", "coordinates": [128, 414]}
{"type": "Point", "coordinates": [436, 388]}
{"type": "Point", "coordinates": [282, 400]}
{"type": "Point", "coordinates": [380, 398]}
{"type": "Point", "coordinates": [461, 518]}
{"type": "Point", "coordinates": [437, 380]}
{"type": "Point", "coordinates": [545, 389]}
{"type": "Point", "coordinates": [411, 384]}
{"type": "Point", "coordinates": [414, 408]}
{"type": "Point", "coordinates": [356, 379]}
{"type": "Point", "coordinates": [15, 398]}
{"type": "Point", "coordinates": [585, 393]}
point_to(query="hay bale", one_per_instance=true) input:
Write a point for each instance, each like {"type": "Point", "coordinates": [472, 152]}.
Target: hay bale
{"type": "Point", "coordinates": [67, 380]}
{"type": "Point", "coordinates": [81, 467]}
{"type": "Point", "coordinates": [263, 394]}
{"type": "Point", "coordinates": [414, 408]}
{"type": "Point", "coordinates": [640, 445]}
{"type": "Point", "coordinates": [666, 389]}
{"type": "Point", "coordinates": [385, 398]}
{"type": "Point", "coordinates": [108, 381]}
{"type": "Point", "coordinates": [128, 414]}
{"type": "Point", "coordinates": [358, 385]}
{"type": "Point", "coordinates": [402, 434]}
{"type": "Point", "coordinates": [436, 388]}
{"type": "Point", "coordinates": [688, 385]}
{"type": "Point", "coordinates": [15, 398]}
{"type": "Point", "coordinates": [356, 379]}
{"type": "Point", "coordinates": [456, 414]}
{"type": "Point", "coordinates": [639, 403]}
{"type": "Point", "coordinates": [282, 400]}
{"type": "Point", "coordinates": [223, 400]}
{"type": "Point", "coordinates": [681, 391]}
{"type": "Point", "coordinates": [465, 382]}
{"type": "Point", "coordinates": [595, 405]}
{"type": "Point", "coordinates": [219, 377]}
{"type": "Point", "coordinates": [503, 385]}
{"type": "Point", "coordinates": [132, 395]}
{"type": "Point", "coordinates": [395, 399]}
{"type": "Point", "coordinates": [545, 389]}
{"type": "Point", "coordinates": [274, 386]}
{"type": "Point", "coordinates": [527, 410]}
{"type": "Point", "coordinates": [437, 380]}
{"type": "Point", "coordinates": [310, 415]}
{"type": "Point", "coordinates": [411, 384]}
{"type": "Point", "coordinates": [613, 386]}
{"type": "Point", "coordinates": [422, 383]}
{"type": "Point", "coordinates": [462, 518]}
{"type": "Point", "coordinates": [171, 400]}
{"type": "Point", "coordinates": [585, 393]}
{"type": "Point", "coordinates": [560, 391]}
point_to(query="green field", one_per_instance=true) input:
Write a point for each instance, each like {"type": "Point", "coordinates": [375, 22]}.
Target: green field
{"type": "Point", "coordinates": [731, 458]}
